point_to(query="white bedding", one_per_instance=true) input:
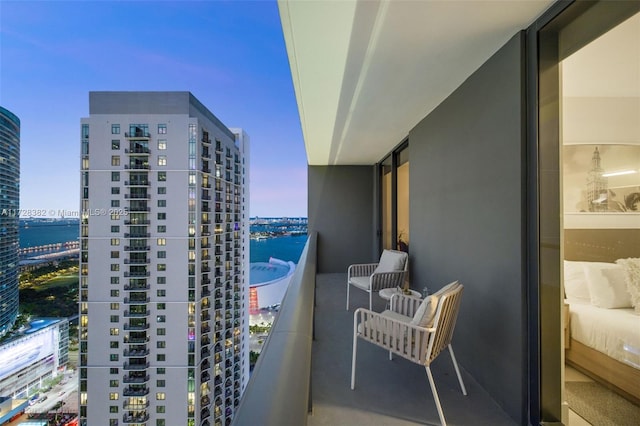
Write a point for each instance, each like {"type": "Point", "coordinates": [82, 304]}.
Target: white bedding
{"type": "Point", "coordinates": [614, 332]}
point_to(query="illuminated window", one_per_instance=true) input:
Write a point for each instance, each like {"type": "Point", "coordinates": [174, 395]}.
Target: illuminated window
{"type": "Point", "coordinates": [115, 160]}
{"type": "Point", "coordinates": [162, 160]}
{"type": "Point", "coordinates": [162, 241]}
{"type": "Point", "coordinates": [160, 396]}
{"type": "Point", "coordinates": [162, 129]}
{"type": "Point", "coordinates": [115, 216]}
{"type": "Point", "coordinates": [162, 144]}
{"type": "Point", "coordinates": [115, 306]}
{"type": "Point", "coordinates": [114, 331]}
{"type": "Point", "coordinates": [113, 396]}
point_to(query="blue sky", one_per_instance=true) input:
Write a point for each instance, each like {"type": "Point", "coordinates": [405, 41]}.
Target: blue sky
{"type": "Point", "coordinates": [230, 55]}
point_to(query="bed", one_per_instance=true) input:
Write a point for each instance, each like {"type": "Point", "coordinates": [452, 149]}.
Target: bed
{"type": "Point", "coordinates": [603, 326]}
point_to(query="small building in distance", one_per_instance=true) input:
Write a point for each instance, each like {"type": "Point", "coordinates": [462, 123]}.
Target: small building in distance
{"type": "Point", "coordinates": [33, 355]}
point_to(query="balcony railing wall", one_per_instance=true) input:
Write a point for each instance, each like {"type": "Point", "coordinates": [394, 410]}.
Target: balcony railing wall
{"type": "Point", "coordinates": [279, 391]}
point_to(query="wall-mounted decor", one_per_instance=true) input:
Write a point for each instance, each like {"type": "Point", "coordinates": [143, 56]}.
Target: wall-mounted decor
{"type": "Point", "coordinates": [602, 178]}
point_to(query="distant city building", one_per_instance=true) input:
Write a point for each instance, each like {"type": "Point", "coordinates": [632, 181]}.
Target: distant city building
{"type": "Point", "coordinates": [9, 205]}
{"type": "Point", "coordinates": [33, 356]}
{"type": "Point", "coordinates": [164, 262]}
{"type": "Point", "coordinates": [269, 283]}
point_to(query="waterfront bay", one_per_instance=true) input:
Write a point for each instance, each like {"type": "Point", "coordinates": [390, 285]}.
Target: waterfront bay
{"type": "Point", "coordinates": [285, 247]}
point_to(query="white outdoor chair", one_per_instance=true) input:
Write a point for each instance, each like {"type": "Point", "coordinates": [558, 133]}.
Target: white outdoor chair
{"type": "Point", "coordinates": [389, 272]}
{"type": "Point", "coordinates": [415, 329]}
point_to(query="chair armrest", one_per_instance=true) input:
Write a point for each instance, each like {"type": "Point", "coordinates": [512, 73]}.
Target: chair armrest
{"type": "Point", "coordinates": [405, 304]}
{"type": "Point", "coordinates": [380, 280]}
{"type": "Point", "coordinates": [361, 269]}
{"type": "Point", "coordinates": [400, 337]}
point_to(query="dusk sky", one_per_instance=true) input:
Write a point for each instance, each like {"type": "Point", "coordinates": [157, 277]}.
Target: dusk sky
{"type": "Point", "coordinates": [230, 55]}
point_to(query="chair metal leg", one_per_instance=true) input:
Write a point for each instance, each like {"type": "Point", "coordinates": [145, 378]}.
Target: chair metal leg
{"type": "Point", "coordinates": [370, 300]}
{"type": "Point", "coordinates": [348, 285]}
{"type": "Point", "coordinates": [353, 360]}
{"type": "Point", "coordinates": [435, 396]}
{"type": "Point", "coordinates": [455, 365]}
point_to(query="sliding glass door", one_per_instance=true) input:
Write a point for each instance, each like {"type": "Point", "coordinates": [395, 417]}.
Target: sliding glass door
{"type": "Point", "coordinates": [394, 199]}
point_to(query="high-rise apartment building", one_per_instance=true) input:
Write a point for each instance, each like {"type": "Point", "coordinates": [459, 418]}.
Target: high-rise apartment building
{"type": "Point", "coordinates": [9, 213]}
{"type": "Point", "coordinates": [164, 262]}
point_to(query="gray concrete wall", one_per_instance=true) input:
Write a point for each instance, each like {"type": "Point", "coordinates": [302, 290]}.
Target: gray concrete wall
{"type": "Point", "coordinates": [466, 210]}
{"type": "Point", "coordinates": [340, 209]}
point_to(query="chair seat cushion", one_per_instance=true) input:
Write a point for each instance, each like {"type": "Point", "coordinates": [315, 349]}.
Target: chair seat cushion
{"type": "Point", "coordinates": [360, 282]}
{"type": "Point", "coordinates": [391, 261]}
{"type": "Point", "coordinates": [392, 315]}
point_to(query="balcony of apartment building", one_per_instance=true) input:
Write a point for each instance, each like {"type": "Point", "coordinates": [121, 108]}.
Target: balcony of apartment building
{"type": "Point", "coordinates": [303, 373]}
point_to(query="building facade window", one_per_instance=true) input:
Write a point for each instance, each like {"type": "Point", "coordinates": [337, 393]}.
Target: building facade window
{"type": "Point", "coordinates": [115, 129]}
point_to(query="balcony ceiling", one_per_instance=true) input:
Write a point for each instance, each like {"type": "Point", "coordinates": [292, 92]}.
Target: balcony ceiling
{"type": "Point", "coordinates": [366, 72]}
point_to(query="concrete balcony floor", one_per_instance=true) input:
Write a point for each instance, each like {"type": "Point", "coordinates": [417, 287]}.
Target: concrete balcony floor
{"type": "Point", "coordinates": [387, 392]}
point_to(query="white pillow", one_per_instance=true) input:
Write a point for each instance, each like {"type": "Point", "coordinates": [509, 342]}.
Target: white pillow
{"type": "Point", "coordinates": [391, 261]}
{"type": "Point", "coordinates": [575, 281]}
{"type": "Point", "coordinates": [451, 286]}
{"type": "Point", "coordinates": [631, 267]}
{"type": "Point", "coordinates": [607, 285]}
{"type": "Point", "coordinates": [426, 312]}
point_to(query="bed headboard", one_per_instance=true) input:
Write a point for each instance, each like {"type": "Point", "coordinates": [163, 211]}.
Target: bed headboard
{"type": "Point", "coordinates": [601, 245]}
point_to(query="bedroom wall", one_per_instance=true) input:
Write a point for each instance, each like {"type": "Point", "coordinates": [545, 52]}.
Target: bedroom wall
{"type": "Point", "coordinates": [466, 215]}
